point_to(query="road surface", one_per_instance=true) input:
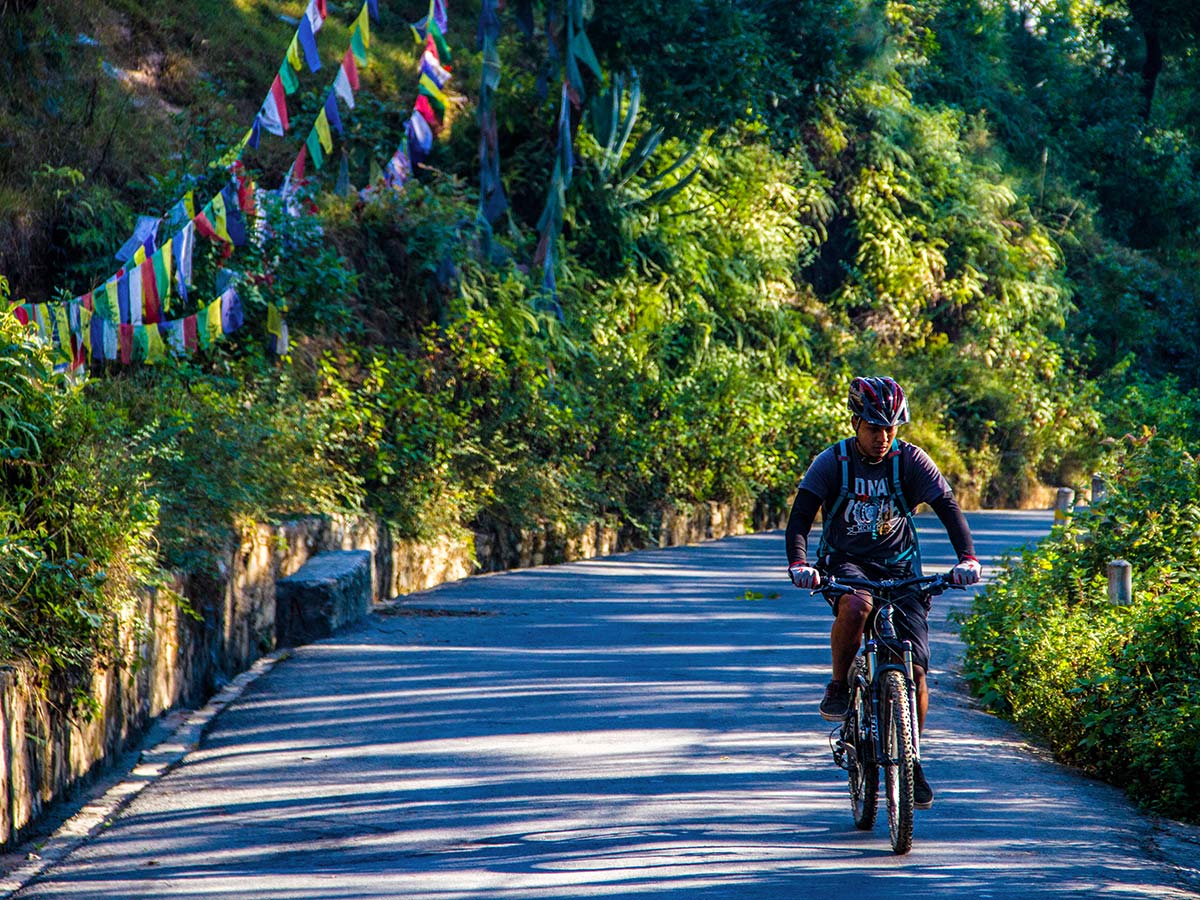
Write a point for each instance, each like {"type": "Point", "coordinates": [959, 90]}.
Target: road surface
{"type": "Point", "coordinates": [642, 726]}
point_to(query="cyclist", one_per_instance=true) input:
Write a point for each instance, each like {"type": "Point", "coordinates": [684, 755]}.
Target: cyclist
{"type": "Point", "coordinates": [867, 487]}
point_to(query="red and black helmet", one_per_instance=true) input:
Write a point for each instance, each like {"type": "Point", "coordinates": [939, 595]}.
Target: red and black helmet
{"type": "Point", "coordinates": [879, 401]}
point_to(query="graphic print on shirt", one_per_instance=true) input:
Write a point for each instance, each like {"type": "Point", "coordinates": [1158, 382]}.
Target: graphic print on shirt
{"type": "Point", "coordinates": [870, 509]}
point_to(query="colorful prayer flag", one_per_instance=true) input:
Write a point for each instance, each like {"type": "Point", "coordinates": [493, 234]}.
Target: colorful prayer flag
{"type": "Point", "coordinates": [235, 224]}
{"type": "Point", "coordinates": [362, 25]}
{"type": "Point", "coordinates": [399, 167]}
{"type": "Point", "coordinates": [220, 218]}
{"type": "Point", "coordinates": [296, 175]}
{"type": "Point", "coordinates": [190, 336]}
{"type": "Point", "coordinates": [287, 76]}
{"type": "Point", "coordinates": [125, 343]}
{"type": "Point", "coordinates": [151, 311]}
{"type": "Point", "coordinates": [341, 87]}
{"type": "Point", "coordinates": [274, 114]}
{"type": "Point", "coordinates": [231, 311]}
{"type": "Point", "coordinates": [430, 67]}
{"type": "Point", "coordinates": [321, 127]}
{"type": "Point", "coordinates": [316, 12]}
{"type": "Point", "coordinates": [308, 41]}
{"type": "Point", "coordinates": [155, 350]}
{"type": "Point", "coordinates": [427, 88]}
{"type": "Point", "coordinates": [439, 41]}
{"type": "Point", "coordinates": [350, 67]}
{"type": "Point", "coordinates": [358, 46]}
{"type": "Point", "coordinates": [313, 144]}
{"type": "Point", "coordinates": [162, 272]}
{"type": "Point", "coordinates": [183, 272]}
{"type": "Point", "coordinates": [422, 106]}
{"type": "Point", "coordinates": [420, 138]}
{"type": "Point", "coordinates": [204, 224]}
{"type": "Point", "coordinates": [294, 57]}
{"type": "Point", "coordinates": [213, 320]}
{"type": "Point", "coordinates": [332, 115]}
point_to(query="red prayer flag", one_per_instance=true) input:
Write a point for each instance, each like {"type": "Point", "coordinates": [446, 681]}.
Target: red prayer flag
{"type": "Point", "coordinates": [297, 176]}
{"type": "Point", "coordinates": [350, 67]}
{"type": "Point", "coordinates": [422, 106]}
{"type": "Point", "coordinates": [190, 337]}
{"type": "Point", "coordinates": [125, 343]}
{"type": "Point", "coordinates": [279, 97]}
{"type": "Point", "coordinates": [151, 307]}
{"type": "Point", "coordinates": [205, 227]}
{"type": "Point", "coordinates": [86, 301]}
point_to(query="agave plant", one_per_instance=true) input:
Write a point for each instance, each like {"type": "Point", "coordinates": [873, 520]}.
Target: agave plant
{"type": "Point", "coordinates": [612, 120]}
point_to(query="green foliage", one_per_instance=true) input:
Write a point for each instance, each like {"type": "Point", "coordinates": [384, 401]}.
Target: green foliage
{"type": "Point", "coordinates": [74, 527]}
{"type": "Point", "coordinates": [1115, 690]}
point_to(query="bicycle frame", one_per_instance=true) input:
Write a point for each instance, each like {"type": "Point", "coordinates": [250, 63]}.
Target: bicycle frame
{"type": "Point", "coordinates": [863, 746]}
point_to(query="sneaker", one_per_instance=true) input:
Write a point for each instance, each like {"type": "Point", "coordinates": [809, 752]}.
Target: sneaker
{"type": "Point", "coordinates": [836, 702]}
{"type": "Point", "coordinates": [922, 792]}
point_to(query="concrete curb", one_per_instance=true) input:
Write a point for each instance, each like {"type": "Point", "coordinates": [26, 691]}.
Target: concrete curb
{"type": "Point", "coordinates": [152, 764]}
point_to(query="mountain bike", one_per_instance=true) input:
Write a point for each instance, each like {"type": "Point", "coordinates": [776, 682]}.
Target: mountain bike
{"type": "Point", "coordinates": [880, 730]}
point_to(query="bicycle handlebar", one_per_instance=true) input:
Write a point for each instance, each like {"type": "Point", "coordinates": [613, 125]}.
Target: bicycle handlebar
{"type": "Point", "coordinates": [933, 584]}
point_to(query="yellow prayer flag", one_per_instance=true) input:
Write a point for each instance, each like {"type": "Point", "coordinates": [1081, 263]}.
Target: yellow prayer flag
{"type": "Point", "coordinates": [114, 306]}
{"type": "Point", "coordinates": [39, 319]}
{"type": "Point", "coordinates": [139, 255]}
{"type": "Point", "coordinates": [189, 204]}
{"type": "Point", "coordinates": [323, 134]}
{"type": "Point", "coordinates": [164, 293]}
{"type": "Point", "coordinates": [221, 219]}
{"type": "Point", "coordinates": [274, 320]}
{"type": "Point", "coordinates": [62, 320]}
{"type": "Point", "coordinates": [293, 53]}
{"type": "Point", "coordinates": [213, 312]}
{"type": "Point", "coordinates": [363, 24]}
{"type": "Point", "coordinates": [155, 350]}
{"type": "Point", "coordinates": [85, 328]}
{"type": "Point", "coordinates": [434, 91]}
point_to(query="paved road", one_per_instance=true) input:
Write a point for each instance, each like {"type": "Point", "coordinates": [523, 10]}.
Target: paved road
{"type": "Point", "coordinates": [640, 726]}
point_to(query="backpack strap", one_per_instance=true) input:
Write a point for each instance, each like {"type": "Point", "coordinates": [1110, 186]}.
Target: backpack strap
{"type": "Point", "coordinates": [842, 452]}
{"type": "Point", "coordinates": [897, 490]}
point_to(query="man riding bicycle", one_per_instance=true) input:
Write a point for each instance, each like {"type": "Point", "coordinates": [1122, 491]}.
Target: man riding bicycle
{"type": "Point", "coordinates": [867, 487]}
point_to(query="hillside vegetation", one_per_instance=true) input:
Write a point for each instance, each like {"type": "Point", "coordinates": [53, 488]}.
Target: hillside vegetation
{"type": "Point", "coordinates": [731, 210]}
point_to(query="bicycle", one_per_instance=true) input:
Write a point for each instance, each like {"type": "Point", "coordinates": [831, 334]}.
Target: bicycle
{"type": "Point", "coordinates": [880, 729]}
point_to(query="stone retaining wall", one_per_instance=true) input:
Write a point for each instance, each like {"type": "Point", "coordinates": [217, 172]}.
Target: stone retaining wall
{"type": "Point", "coordinates": [174, 658]}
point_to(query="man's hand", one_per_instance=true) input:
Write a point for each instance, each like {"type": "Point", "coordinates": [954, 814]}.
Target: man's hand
{"type": "Point", "coordinates": [804, 575]}
{"type": "Point", "coordinates": [966, 572]}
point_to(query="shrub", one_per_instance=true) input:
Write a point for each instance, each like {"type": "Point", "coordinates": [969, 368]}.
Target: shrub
{"type": "Point", "coordinates": [1115, 690]}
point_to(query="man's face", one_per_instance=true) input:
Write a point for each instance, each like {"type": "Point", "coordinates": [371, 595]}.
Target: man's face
{"type": "Point", "coordinates": [873, 440]}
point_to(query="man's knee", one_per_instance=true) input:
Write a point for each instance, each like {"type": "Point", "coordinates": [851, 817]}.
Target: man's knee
{"type": "Point", "coordinates": [854, 607]}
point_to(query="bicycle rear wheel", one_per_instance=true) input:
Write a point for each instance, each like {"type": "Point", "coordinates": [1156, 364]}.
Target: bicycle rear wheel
{"type": "Point", "coordinates": [896, 729]}
{"type": "Point", "coordinates": [864, 772]}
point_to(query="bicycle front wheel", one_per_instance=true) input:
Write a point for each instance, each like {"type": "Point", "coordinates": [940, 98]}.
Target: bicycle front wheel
{"type": "Point", "coordinates": [864, 771]}
{"type": "Point", "coordinates": [896, 730]}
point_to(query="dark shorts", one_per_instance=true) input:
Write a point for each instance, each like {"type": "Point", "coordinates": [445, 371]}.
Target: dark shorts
{"type": "Point", "coordinates": [911, 607]}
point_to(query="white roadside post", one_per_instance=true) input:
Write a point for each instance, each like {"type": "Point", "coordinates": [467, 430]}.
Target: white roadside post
{"type": "Point", "coordinates": [1120, 583]}
{"type": "Point", "coordinates": [1063, 502]}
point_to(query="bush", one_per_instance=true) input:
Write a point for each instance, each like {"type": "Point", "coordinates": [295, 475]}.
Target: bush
{"type": "Point", "coordinates": [1115, 690]}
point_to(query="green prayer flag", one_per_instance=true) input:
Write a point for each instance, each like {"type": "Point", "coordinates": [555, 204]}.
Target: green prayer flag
{"type": "Point", "coordinates": [439, 41]}
{"type": "Point", "coordinates": [315, 152]}
{"type": "Point", "coordinates": [202, 337]}
{"type": "Point", "coordinates": [287, 75]}
{"type": "Point", "coordinates": [358, 48]}
{"type": "Point", "coordinates": [432, 96]}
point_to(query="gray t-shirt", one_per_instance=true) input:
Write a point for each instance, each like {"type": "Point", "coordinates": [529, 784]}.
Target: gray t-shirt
{"type": "Point", "coordinates": [871, 525]}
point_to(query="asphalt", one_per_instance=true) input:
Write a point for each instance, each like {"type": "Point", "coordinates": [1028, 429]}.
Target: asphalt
{"type": "Point", "coordinates": [636, 726]}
